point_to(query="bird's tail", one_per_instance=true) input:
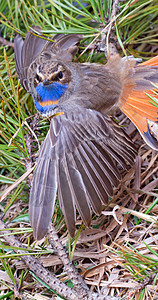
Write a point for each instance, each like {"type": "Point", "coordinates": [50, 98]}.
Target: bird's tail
{"type": "Point", "coordinates": [137, 103]}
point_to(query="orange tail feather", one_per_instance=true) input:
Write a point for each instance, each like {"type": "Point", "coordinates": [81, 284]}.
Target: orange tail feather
{"type": "Point", "coordinates": [138, 108]}
{"type": "Point", "coordinates": [151, 62]}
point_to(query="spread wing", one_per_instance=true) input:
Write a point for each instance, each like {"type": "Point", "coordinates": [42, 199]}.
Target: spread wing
{"type": "Point", "coordinates": [78, 157]}
{"type": "Point", "coordinates": [26, 51]}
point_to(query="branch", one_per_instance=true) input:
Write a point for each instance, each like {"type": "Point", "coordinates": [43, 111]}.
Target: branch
{"type": "Point", "coordinates": [78, 282]}
{"type": "Point", "coordinates": [33, 264]}
{"type": "Point", "coordinates": [46, 276]}
{"type": "Point", "coordinates": [4, 42]}
{"type": "Point", "coordinates": [115, 8]}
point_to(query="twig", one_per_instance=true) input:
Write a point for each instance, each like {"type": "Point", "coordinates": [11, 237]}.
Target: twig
{"type": "Point", "coordinates": [49, 278]}
{"type": "Point", "coordinates": [78, 283]}
{"type": "Point", "coordinates": [4, 42]}
{"type": "Point", "coordinates": [32, 132]}
{"type": "Point", "coordinates": [46, 276]}
{"type": "Point", "coordinates": [115, 8]}
{"type": "Point", "coordinates": [16, 183]}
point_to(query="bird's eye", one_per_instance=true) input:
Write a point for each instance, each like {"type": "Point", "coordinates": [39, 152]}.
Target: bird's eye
{"type": "Point", "coordinates": [60, 75]}
{"type": "Point", "coordinates": [38, 78]}
{"type": "Point", "coordinates": [56, 77]}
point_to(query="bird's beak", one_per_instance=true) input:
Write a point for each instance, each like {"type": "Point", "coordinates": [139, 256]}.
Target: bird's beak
{"type": "Point", "coordinates": [46, 82]}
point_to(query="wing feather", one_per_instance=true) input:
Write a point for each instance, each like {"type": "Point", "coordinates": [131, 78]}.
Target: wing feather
{"type": "Point", "coordinates": [100, 178]}
{"type": "Point", "coordinates": [25, 53]}
{"type": "Point", "coordinates": [42, 196]}
{"type": "Point", "coordinates": [64, 46]}
{"type": "Point", "coordinates": [66, 199]}
{"type": "Point", "coordinates": [78, 156]}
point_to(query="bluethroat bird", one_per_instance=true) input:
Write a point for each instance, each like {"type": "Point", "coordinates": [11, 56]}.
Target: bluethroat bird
{"type": "Point", "coordinates": [84, 146]}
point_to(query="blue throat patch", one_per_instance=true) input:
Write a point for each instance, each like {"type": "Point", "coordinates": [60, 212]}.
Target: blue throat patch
{"type": "Point", "coordinates": [50, 95]}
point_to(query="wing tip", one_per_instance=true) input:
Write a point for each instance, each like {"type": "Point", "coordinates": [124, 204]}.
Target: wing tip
{"type": "Point", "coordinates": [39, 234]}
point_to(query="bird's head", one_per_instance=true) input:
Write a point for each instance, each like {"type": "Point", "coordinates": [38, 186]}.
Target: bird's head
{"type": "Point", "coordinates": [49, 83]}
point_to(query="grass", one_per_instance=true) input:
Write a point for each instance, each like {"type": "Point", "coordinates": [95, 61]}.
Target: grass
{"type": "Point", "coordinates": [119, 250]}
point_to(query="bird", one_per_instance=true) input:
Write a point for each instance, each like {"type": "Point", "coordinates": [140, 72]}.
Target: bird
{"type": "Point", "coordinates": [81, 156]}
